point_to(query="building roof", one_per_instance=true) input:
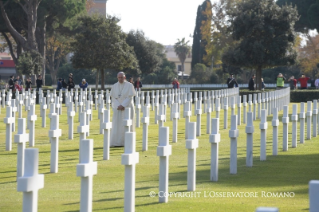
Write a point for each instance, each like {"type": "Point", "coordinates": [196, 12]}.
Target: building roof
{"type": "Point", "coordinates": [7, 64]}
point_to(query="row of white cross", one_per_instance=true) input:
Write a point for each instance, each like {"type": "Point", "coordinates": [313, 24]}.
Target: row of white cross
{"type": "Point", "coordinates": [130, 157]}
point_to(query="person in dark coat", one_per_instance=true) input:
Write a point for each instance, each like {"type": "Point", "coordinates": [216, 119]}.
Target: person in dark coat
{"type": "Point", "coordinates": [70, 84]}
{"type": "Point", "coordinates": [231, 81]}
{"type": "Point", "coordinates": [59, 84]}
{"type": "Point", "coordinates": [251, 84]}
{"type": "Point", "coordinates": [138, 84]}
{"type": "Point", "coordinates": [11, 83]}
{"type": "Point", "coordinates": [39, 82]}
{"type": "Point", "coordinates": [28, 84]}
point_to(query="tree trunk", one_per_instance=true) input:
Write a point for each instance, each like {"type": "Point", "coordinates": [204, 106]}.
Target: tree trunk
{"type": "Point", "coordinates": [102, 79]}
{"type": "Point", "coordinates": [96, 79]}
{"type": "Point", "coordinates": [53, 77]}
{"type": "Point", "coordinates": [182, 71]}
{"type": "Point", "coordinates": [258, 77]}
{"type": "Point", "coordinates": [41, 34]}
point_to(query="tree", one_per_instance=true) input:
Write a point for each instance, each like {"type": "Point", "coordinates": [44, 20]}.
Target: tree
{"type": "Point", "coordinates": [196, 47]}
{"type": "Point", "coordinates": [308, 12]}
{"type": "Point", "coordinates": [164, 75]}
{"type": "Point", "coordinates": [30, 63]}
{"type": "Point", "coordinates": [100, 44]}
{"type": "Point", "coordinates": [57, 47]}
{"type": "Point", "coordinates": [201, 74]}
{"type": "Point", "coordinates": [206, 33]}
{"type": "Point", "coordinates": [265, 35]}
{"type": "Point", "coordinates": [309, 57]}
{"type": "Point", "coordinates": [182, 49]}
{"type": "Point", "coordinates": [202, 35]}
{"type": "Point", "coordinates": [146, 52]}
{"type": "Point", "coordinates": [29, 21]}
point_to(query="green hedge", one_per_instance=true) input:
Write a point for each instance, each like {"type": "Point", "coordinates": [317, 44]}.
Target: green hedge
{"type": "Point", "coordinates": [304, 95]}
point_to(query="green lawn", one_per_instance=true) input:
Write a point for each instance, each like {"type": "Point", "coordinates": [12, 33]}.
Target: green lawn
{"type": "Point", "coordinates": [288, 172]}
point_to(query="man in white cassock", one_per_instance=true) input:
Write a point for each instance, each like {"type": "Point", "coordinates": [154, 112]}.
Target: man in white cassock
{"type": "Point", "coordinates": [122, 94]}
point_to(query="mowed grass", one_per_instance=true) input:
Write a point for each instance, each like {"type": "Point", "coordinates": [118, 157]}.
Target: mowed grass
{"type": "Point", "coordinates": [288, 172]}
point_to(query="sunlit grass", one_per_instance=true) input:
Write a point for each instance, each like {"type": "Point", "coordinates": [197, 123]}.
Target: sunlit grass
{"type": "Point", "coordinates": [288, 172]}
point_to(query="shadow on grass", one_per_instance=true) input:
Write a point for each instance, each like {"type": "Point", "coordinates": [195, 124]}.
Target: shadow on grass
{"type": "Point", "coordinates": [276, 171]}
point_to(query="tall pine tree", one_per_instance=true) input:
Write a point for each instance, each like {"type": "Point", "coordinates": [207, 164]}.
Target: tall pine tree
{"type": "Point", "coordinates": [196, 48]}
{"type": "Point", "coordinates": [202, 35]}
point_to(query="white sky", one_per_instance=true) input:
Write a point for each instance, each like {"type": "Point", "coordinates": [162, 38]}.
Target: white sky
{"type": "Point", "coordinates": [164, 21]}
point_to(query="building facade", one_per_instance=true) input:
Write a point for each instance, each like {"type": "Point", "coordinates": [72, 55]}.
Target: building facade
{"type": "Point", "coordinates": [172, 57]}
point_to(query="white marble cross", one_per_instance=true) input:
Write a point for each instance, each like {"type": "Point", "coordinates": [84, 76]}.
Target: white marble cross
{"type": "Point", "coordinates": [239, 109]}
{"type": "Point", "coordinates": [309, 117]}
{"type": "Point", "coordinates": [21, 138]}
{"type": "Point", "coordinates": [266, 209]}
{"type": "Point", "coordinates": [106, 126]}
{"type": "Point", "coordinates": [8, 120]}
{"type": "Point", "coordinates": [145, 121]}
{"type": "Point", "coordinates": [214, 139]}
{"type": "Point", "coordinates": [217, 107]}
{"type": "Point", "coordinates": [225, 113]}
{"type": "Point", "coordinates": [233, 134]}
{"type": "Point", "coordinates": [285, 122]}
{"type": "Point", "coordinates": [187, 114]}
{"type": "Point", "coordinates": [31, 181]}
{"type": "Point", "coordinates": [137, 110]}
{"type": "Point", "coordinates": [71, 114]}
{"type": "Point", "coordinates": [244, 108]}
{"type": "Point", "coordinates": [43, 109]}
{"type": "Point", "coordinates": [294, 120]}
{"type": "Point", "coordinates": [314, 118]}
{"type": "Point", "coordinates": [275, 124]}
{"type": "Point", "coordinates": [127, 119]}
{"type": "Point", "coordinates": [32, 118]}
{"type": "Point", "coordinates": [302, 116]}
{"type": "Point", "coordinates": [54, 134]}
{"type": "Point", "coordinates": [175, 116]}
{"type": "Point", "coordinates": [313, 195]}
{"type": "Point", "coordinates": [249, 140]}
{"type": "Point", "coordinates": [130, 158]}
{"type": "Point", "coordinates": [191, 145]}
{"type": "Point", "coordinates": [208, 116]}
{"type": "Point", "coordinates": [263, 134]}
{"type": "Point", "coordinates": [86, 169]}
{"type": "Point", "coordinates": [198, 112]}
{"type": "Point", "coordinates": [164, 150]}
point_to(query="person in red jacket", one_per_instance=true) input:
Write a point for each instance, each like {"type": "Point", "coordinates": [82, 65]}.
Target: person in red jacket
{"type": "Point", "coordinates": [303, 81]}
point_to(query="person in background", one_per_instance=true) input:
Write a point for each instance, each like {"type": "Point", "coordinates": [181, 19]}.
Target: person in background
{"type": "Point", "coordinates": [251, 84]}
{"type": "Point", "coordinates": [28, 84]}
{"type": "Point", "coordinates": [175, 83]}
{"type": "Point", "coordinates": [70, 84]}
{"type": "Point", "coordinates": [303, 81]}
{"type": "Point", "coordinates": [64, 85]}
{"type": "Point", "coordinates": [17, 86]}
{"type": "Point", "coordinates": [138, 84]}
{"type": "Point", "coordinates": [262, 84]}
{"type": "Point", "coordinates": [317, 83]}
{"type": "Point", "coordinates": [17, 79]}
{"type": "Point", "coordinates": [280, 81]}
{"type": "Point", "coordinates": [293, 83]}
{"type": "Point", "coordinates": [59, 84]}
{"type": "Point", "coordinates": [83, 84]}
{"type": "Point", "coordinates": [312, 83]}
{"type": "Point", "coordinates": [11, 83]}
{"type": "Point", "coordinates": [231, 81]}
{"type": "Point", "coordinates": [39, 82]}
{"type": "Point", "coordinates": [131, 81]}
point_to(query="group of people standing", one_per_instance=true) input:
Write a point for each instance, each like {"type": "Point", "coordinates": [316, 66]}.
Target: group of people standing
{"type": "Point", "coordinates": [16, 84]}
{"type": "Point", "coordinates": [280, 82]}
{"type": "Point", "coordinates": [137, 84]}
{"type": "Point", "coordinates": [61, 84]}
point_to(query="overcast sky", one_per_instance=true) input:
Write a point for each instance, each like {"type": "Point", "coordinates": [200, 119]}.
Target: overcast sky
{"type": "Point", "coordinates": [164, 21]}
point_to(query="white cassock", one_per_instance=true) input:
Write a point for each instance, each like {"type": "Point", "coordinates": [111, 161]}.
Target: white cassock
{"type": "Point", "coordinates": [122, 94]}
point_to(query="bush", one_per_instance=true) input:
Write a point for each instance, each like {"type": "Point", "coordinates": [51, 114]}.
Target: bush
{"type": "Point", "coordinates": [304, 95]}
